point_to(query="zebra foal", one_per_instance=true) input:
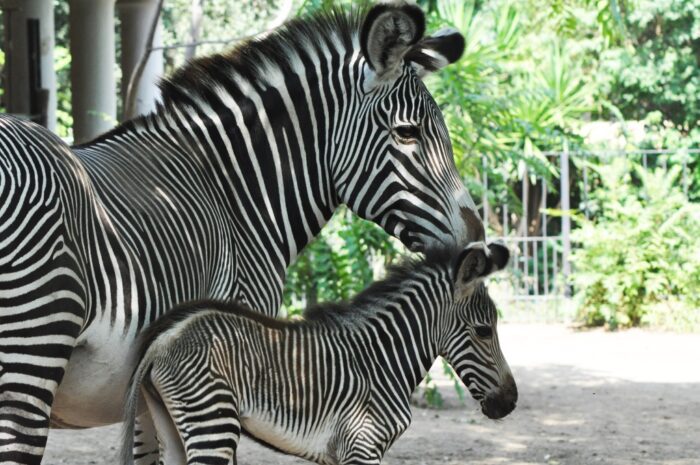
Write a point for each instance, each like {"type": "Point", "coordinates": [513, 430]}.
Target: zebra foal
{"type": "Point", "coordinates": [333, 388]}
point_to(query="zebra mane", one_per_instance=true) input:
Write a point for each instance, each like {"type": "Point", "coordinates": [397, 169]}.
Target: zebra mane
{"type": "Point", "coordinates": [252, 59]}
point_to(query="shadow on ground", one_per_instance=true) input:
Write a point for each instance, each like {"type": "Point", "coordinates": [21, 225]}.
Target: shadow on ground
{"type": "Point", "coordinates": [577, 413]}
{"type": "Point", "coordinates": [565, 416]}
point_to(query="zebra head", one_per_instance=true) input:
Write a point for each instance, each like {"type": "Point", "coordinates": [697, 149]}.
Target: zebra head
{"type": "Point", "coordinates": [398, 168]}
{"type": "Point", "coordinates": [470, 341]}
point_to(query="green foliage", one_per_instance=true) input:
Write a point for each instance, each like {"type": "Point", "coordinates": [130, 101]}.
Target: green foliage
{"type": "Point", "coordinates": [641, 255]}
{"type": "Point", "coordinates": [348, 255]}
{"type": "Point", "coordinates": [658, 68]}
{"type": "Point", "coordinates": [64, 115]}
{"type": "Point", "coordinates": [221, 20]}
{"type": "Point", "coordinates": [517, 92]}
{"type": "Point", "coordinates": [661, 134]}
{"type": "Point", "coordinates": [429, 390]}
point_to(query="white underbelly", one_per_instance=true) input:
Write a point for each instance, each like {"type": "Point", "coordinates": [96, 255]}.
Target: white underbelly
{"type": "Point", "coordinates": [310, 445]}
{"type": "Point", "coordinates": [93, 388]}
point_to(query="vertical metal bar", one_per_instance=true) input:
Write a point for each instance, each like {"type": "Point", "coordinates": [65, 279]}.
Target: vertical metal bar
{"type": "Point", "coordinates": [644, 160]}
{"type": "Point", "coordinates": [555, 265]}
{"type": "Point", "coordinates": [524, 226]}
{"type": "Point", "coordinates": [585, 184]}
{"type": "Point", "coordinates": [513, 245]}
{"type": "Point", "coordinates": [566, 218]}
{"type": "Point", "coordinates": [485, 186]}
{"type": "Point", "coordinates": [545, 243]}
{"type": "Point", "coordinates": [536, 274]}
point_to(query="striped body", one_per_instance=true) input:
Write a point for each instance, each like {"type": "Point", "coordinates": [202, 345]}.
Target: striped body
{"type": "Point", "coordinates": [333, 388]}
{"type": "Point", "coordinates": [212, 196]}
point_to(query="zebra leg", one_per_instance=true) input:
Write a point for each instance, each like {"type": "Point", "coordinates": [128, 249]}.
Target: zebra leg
{"type": "Point", "coordinates": [207, 421]}
{"type": "Point", "coordinates": [146, 449]}
{"type": "Point", "coordinates": [37, 337]}
{"type": "Point", "coordinates": [211, 433]}
{"type": "Point", "coordinates": [170, 447]}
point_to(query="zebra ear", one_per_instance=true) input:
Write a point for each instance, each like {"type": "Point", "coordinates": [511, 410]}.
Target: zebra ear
{"type": "Point", "coordinates": [389, 31]}
{"type": "Point", "coordinates": [436, 51]}
{"type": "Point", "coordinates": [499, 254]}
{"type": "Point", "coordinates": [471, 264]}
{"type": "Point", "coordinates": [476, 262]}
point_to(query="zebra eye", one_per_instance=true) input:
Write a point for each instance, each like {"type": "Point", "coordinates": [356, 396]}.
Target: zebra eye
{"type": "Point", "coordinates": [483, 331]}
{"type": "Point", "coordinates": [407, 134]}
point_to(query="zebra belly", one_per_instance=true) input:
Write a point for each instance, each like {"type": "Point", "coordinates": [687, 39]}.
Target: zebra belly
{"type": "Point", "coordinates": [93, 388]}
{"type": "Point", "coordinates": [311, 446]}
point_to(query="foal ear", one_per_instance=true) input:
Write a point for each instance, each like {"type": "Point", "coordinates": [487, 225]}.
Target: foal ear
{"type": "Point", "coordinates": [436, 51]}
{"type": "Point", "coordinates": [471, 264]}
{"type": "Point", "coordinates": [476, 262]}
{"type": "Point", "coordinates": [389, 31]}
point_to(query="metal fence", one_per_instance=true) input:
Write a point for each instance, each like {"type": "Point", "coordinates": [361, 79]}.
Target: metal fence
{"type": "Point", "coordinates": [540, 242]}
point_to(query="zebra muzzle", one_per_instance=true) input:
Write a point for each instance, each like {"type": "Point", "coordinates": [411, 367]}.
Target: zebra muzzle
{"type": "Point", "coordinates": [500, 402]}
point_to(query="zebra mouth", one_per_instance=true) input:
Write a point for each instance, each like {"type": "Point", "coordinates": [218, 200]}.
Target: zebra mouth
{"type": "Point", "coordinates": [498, 404]}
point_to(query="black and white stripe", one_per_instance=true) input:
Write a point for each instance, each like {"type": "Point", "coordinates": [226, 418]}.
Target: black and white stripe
{"type": "Point", "coordinates": [333, 388]}
{"type": "Point", "coordinates": [211, 196]}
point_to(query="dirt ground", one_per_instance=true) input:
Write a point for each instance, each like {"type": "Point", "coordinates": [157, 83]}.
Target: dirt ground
{"type": "Point", "coordinates": [585, 398]}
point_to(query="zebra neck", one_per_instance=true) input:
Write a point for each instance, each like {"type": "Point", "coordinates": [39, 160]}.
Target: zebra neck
{"type": "Point", "coordinates": [406, 333]}
{"type": "Point", "coordinates": [270, 139]}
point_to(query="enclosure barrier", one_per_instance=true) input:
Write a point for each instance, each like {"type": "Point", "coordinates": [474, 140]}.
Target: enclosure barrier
{"type": "Point", "coordinates": [537, 225]}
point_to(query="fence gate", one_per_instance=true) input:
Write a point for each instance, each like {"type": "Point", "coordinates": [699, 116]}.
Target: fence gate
{"type": "Point", "coordinates": [537, 227]}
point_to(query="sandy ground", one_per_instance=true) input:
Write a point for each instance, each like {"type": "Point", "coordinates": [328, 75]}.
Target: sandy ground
{"type": "Point", "coordinates": [585, 398]}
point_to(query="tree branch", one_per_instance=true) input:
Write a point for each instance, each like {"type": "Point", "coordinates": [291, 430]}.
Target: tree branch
{"type": "Point", "coordinates": [130, 100]}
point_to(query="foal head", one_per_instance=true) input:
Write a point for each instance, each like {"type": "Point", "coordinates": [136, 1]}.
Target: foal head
{"type": "Point", "coordinates": [469, 339]}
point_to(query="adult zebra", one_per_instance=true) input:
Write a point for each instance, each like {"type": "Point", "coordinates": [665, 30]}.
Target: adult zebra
{"type": "Point", "coordinates": [212, 196]}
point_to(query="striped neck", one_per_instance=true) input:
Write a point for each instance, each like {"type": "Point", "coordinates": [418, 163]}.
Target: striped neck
{"type": "Point", "coordinates": [411, 327]}
{"type": "Point", "coordinates": [273, 122]}
{"type": "Point", "coordinates": [401, 318]}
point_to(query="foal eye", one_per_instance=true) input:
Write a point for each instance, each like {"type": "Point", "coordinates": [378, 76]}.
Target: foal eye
{"type": "Point", "coordinates": [484, 331]}
{"type": "Point", "coordinates": [407, 134]}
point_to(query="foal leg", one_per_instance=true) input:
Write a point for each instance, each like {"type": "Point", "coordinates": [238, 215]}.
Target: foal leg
{"type": "Point", "coordinates": [206, 418]}
{"type": "Point", "coordinates": [171, 450]}
{"type": "Point", "coordinates": [146, 448]}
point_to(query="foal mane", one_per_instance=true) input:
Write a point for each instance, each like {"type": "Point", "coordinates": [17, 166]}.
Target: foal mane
{"type": "Point", "coordinates": [397, 275]}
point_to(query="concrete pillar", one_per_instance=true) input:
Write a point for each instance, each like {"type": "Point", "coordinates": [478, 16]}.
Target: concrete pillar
{"type": "Point", "coordinates": [17, 91]}
{"type": "Point", "coordinates": [93, 83]}
{"type": "Point", "coordinates": [136, 19]}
